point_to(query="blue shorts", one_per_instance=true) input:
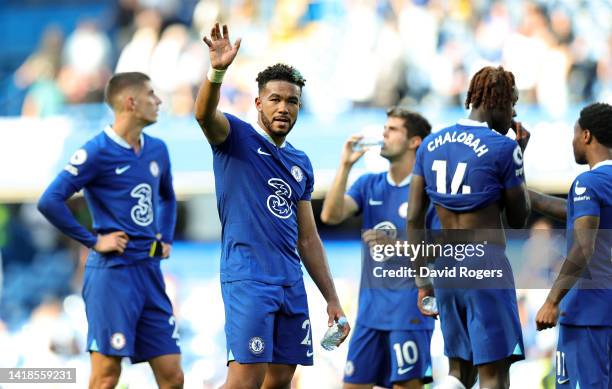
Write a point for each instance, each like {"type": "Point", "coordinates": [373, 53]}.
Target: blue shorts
{"type": "Point", "coordinates": [128, 311]}
{"type": "Point", "coordinates": [480, 325]}
{"type": "Point", "coordinates": [584, 357]}
{"type": "Point", "coordinates": [267, 323]}
{"type": "Point", "coordinates": [384, 357]}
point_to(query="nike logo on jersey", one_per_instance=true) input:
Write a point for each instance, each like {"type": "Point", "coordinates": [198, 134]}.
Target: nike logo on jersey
{"type": "Point", "coordinates": [121, 170]}
{"type": "Point", "coordinates": [401, 371]}
{"type": "Point", "coordinates": [260, 151]}
{"type": "Point", "coordinates": [309, 354]}
{"type": "Point", "coordinates": [375, 202]}
{"type": "Point", "coordinates": [561, 382]}
{"type": "Point", "coordinates": [579, 189]}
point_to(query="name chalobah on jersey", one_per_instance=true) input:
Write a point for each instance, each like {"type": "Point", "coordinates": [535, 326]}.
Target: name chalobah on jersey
{"type": "Point", "coordinates": [463, 272]}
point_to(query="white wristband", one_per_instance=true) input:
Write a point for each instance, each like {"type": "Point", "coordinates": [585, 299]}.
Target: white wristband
{"type": "Point", "coordinates": [215, 75]}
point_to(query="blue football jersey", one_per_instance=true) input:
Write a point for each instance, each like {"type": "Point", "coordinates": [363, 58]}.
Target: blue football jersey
{"type": "Point", "coordinates": [384, 207]}
{"type": "Point", "coordinates": [258, 188]}
{"type": "Point", "coordinates": [125, 191]}
{"type": "Point", "coordinates": [466, 166]}
{"type": "Point", "coordinates": [589, 302]}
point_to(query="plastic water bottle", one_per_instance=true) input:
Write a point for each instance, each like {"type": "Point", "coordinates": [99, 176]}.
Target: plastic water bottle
{"type": "Point", "coordinates": [334, 334]}
{"type": "Point", "coordinates": [364, 143]}
{"type": "Point", "coordinates": [430, 304]}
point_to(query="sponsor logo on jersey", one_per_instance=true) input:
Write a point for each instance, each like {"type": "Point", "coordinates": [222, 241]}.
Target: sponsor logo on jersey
{"type": "Point", "coordinates": [261, 152]}
{"type": "Point", "coordinates": [121, 170]}
{"type": "Point", "coordinates": [280, 203]}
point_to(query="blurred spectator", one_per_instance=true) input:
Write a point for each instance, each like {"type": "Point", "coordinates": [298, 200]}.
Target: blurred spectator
{"type": "Point", "coordinates": [87, 58]}
{"type": "Point", "coordinates": [38, 73]}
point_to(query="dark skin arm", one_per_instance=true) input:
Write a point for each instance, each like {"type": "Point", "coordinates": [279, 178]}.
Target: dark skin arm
{"type": "Point", "coordinates": [313, 256]}
{"type": "Point", "coordinates": [415, 225]}
{"type": "Point", "coordinates": [517, 205]}
{"type": "Point", "coordinates": [547, 205]}
{"type": "Point", "coordinates": [577, 260]}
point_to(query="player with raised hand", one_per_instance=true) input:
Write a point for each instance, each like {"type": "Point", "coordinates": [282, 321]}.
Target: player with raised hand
{"type": "Point", "coordinates": [391, 340]}
{"type": "Point", "coordinates": [581, 296]}
{"type": "Point", "coordinates": [473, 173]}
{"type": "Point", "coordinates": [127, 182]}
{"type": "Point", "coordinates": [263, 186]}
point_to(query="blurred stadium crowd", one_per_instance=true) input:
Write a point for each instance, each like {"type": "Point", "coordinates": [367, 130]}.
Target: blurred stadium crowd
{"type": "Point", "coordinates": [354, 54]}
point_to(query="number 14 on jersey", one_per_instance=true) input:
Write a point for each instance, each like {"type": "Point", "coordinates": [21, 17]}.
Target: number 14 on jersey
{"type": "Point", "coordinates": [439, 166]}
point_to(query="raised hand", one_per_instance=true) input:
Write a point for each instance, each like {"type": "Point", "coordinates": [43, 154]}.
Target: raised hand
{"type": "Point", "coordinates": [522, 135]}
{"type": "Point", "coordinates": [221, 51]}
{"type": "Point", "coordinates": [349, 156]}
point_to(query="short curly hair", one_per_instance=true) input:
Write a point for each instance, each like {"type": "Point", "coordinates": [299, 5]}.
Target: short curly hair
{"type": "Point", "coordinates": [597, 118]}
{"type": "Point", "coordinates": [280, 72]}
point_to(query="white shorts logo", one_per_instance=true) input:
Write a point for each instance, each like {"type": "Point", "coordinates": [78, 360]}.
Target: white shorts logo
{"type": "Point", "coordinates": [142, 212]}
{"type": "Point", "coordinates": [297, 173]}
{"type": "Point", "coordinates": [279, 203]}
{"type": "Point", "coordinates": [349, 368]}
{"type": "Point", "coordinates": [154, 168]}
{"type": "Point", "coordinates": [256, 345]}
{"type": "Point", "coordinates": [117, 340]}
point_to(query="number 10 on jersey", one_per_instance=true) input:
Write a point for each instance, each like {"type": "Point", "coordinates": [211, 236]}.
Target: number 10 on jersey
{"type": "Point", "coordinates": [439, 166]}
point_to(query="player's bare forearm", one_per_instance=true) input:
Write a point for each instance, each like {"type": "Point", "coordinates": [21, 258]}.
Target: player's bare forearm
{"type": "Point", "coordinates": [313, 256]}
{"type": "Point", "coordinates": [333, 206]}
{"type": "Point", "coordinates": [547, 205]}
{"type": "Point", "coordinates": [415, 220]}
{"type": "Point", "coordinates": [212, 122]}
{"type": "Point", "coordinates": [578, 258]}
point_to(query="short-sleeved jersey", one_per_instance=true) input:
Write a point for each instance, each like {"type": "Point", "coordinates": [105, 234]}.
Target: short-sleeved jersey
{"type": "Point", "coordinates": [258, 188]}
{"type": "Point", "coordinates": [124, 192]}
{"type": "Point", "coordinates": [589, 302]}
{"type": "Point", "coordinates": [467, 166]}
{"type": "Point", "coordinates": [384, 207]}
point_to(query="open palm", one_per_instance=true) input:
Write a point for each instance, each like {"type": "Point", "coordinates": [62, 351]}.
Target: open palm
{"type": "Point", "coordinates": [222, 52]}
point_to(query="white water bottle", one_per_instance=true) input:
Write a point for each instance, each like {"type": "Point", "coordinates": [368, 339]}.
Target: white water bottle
{"type": "Point", "coordinates": [429, 304]}
{"type": "Point", "coordinates": [334, 334]}
{"type": "Point", "coordinates": [367, 143]}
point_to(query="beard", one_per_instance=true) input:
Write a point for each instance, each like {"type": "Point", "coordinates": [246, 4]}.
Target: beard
{"type": "Point", "coordinates": [268, 125]}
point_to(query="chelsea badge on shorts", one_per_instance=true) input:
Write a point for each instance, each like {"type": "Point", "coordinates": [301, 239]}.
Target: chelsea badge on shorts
{"type": "Point", "coordinates": [256, 345]}
{"type": "Point", "coordinates": [117, 340]}
{"type": "Point", "coordinates": [297, 173]}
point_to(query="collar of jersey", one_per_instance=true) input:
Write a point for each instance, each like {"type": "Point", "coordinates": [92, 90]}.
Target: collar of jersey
{"type": "Point", "coordinates": [471, 123]}
{"type": "Point", "coordinates": [405, 182]}
{"type": "Point", "coordinates": [261, 132]}
{"type": "Point", "coordinates": [119, 140]}
{"type": "Point", "coordinates": [602, 163]}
